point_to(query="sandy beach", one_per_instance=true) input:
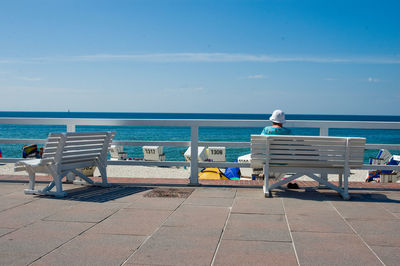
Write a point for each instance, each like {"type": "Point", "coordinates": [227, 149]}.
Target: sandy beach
{"type": "Point", "coordinates": [166, 172]}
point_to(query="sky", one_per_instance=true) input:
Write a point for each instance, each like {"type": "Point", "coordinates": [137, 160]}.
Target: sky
{"type": "Point", "coordinates": [253, 56]}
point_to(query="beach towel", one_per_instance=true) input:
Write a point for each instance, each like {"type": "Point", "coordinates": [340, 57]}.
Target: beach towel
{"type": "Point", "coordinates": [232, 173]}
{"type": "Point", "coordinates": [30, 151]}
{"type": "Point", "coordinates": [212, 173]}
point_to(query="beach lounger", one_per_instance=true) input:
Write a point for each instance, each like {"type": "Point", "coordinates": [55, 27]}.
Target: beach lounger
{"type": "Point", "coordinates": [68, 152]}
{"type": "Point", "coordinates": [307, 155]}
{"type": "Point", "coordinates": [384, 157]}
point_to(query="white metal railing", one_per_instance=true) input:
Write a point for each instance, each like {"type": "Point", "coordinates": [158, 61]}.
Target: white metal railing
{"type": "Point", "coordinates": [194, 142]}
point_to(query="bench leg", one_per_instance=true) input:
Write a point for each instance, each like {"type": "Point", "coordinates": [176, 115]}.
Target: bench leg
{"type": "Point", "coordinates": [59, 191]}
{"type": "Point", "coordinates": [57, 182]}
{"type": "Point", "coordinates": [323, 176]}
{"type": "Point", "coordinates": [32, 176]}
{"type": "Point", "coordinates": [345, 194]}
{"type": "Point", "coordinates": [103, 173]}
{"type": "Point", "coordinates": [31, 189]}
{"type": "Point", "coordinates": [266, 181]}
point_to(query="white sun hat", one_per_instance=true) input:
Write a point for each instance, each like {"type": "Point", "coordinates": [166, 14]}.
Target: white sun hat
{"type": "Point", "coordinates": [278, 116]}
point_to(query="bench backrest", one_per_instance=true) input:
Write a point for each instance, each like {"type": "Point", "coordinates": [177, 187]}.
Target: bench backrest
{"type": "Point", "coordinates": [73, 149]}
{"type": "Point", "coordinates": [307, 151]}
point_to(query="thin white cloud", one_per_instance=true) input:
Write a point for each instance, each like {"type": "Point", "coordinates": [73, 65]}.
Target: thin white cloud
{"type": "Point", "coordinates": [257, 76]}
{"type": "Point", "coordinates": [203, 57]}
{"type": "Point", "coordinates": [30, 78]}
{"type": "Point", "coordinates": [38, 90]}
{"type": "Point", "coordinates": [372, 80]}
{"type": "Point", "coordinates": [184, 90]}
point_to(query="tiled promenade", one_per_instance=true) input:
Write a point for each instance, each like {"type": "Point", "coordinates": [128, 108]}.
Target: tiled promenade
{"type": "Point", "coordinates": [214, 225]}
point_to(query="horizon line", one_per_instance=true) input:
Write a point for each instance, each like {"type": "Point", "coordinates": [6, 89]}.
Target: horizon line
{"type": "Point", "coordinates": [205, 58]}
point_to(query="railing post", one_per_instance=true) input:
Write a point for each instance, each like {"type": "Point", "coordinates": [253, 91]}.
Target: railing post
{"type": "Point", "coordinates": [323, 131]}
{"type": "Point", "coordinates": [71, 176]}
{"type": "Point", "coordinates": [70, 127]}
{"type": "Point", "coordinates": [194, 147]}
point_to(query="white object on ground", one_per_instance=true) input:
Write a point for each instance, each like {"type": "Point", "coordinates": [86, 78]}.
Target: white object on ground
{"type": "Point", "coordinates": [153, 153]}
{"type": "Point", "coordinates": [202, 155]}
{"type": "Point", "coordinates": [216, 154]}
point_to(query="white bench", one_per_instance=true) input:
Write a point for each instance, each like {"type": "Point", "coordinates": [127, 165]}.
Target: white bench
{"type": "Point", "coordinates": [307, 155]}
{"type": "Point", "coordinates": [68, 152]}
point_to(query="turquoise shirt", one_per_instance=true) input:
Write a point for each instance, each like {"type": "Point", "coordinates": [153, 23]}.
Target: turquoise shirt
{"type": "Point", "coordinates": [275, 131]}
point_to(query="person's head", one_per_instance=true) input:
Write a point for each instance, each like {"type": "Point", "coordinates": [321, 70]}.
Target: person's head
{"type": "Point", "coordinates": [278, 117]}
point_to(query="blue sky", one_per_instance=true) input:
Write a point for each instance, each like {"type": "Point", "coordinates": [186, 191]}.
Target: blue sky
{"type": "Point", "coordinates": [305, 57]}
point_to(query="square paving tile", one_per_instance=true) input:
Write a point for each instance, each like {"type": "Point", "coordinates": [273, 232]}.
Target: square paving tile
{"type": "Point", "coordinates": [380, 233]}
{"type": "Point", "coordinates": [132, 222]}
{"type": "Point", "coordinates": [318, 223]}
{"type": "Point", "coordinates": [27, 244]}
{"type": "Point", "coordinates": [86, 212]}
{"type": "Point", "coordinates": [93, 249]}
{"type": "Point", "coordinates": [257, 227]}
{"type": "Point", "coordinates": [391, 195]}
{"type": "Point", "coordinates": [259, 206]}
{"type": "Point", "coordinates": [169, 204]}
{"type": "Point", "coordinates": [389, 255]}
{"type": "Point", "coordinates": [220, 202]}
{"type": "Point", "coordinates": [393, 207]}
{"type": "Point", "coordinates": [253, 193]}
{"type": "Point", "coordinates": [362, 210]}
{"type": "Point", "coordinates": [11, 200]}
{"type": "Point", "coordinates": [8, 188]}
{"type": "Point", "coordinates": [198, 216]}
{"type": "Point", "coordinates": [4, 231]}
{"type": "Point", "coordinates": [332, 249]}
{"type": "Point", "coordinates": [234, 252]}
{"type": "Point", "coordinates": [177, 246]}
{"type": "Point", "coordinates": [306, 194]}
{"type": "Point", "coordinates": [214, 192]}
{"type": "Point", "coordinates": [133, 194]}
{"type": "Point", "coordinates": [32, 212]}
{"type": "Point", "coordinates": [368, 196]}
{"type": "Point", "coordinates": [308, 207]}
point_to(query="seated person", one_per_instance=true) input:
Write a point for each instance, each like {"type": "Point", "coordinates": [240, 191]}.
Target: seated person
{"type": "Point", "coordinates": [278, 119]}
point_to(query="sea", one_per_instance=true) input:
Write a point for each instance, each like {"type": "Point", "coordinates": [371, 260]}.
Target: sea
{"type": "Point", "coordinates": [373, 136]}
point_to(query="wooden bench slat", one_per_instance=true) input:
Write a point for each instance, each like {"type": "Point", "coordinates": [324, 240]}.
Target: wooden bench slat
{"type": "Point", "coordinates": [71, 138]}
{"type": "Point", "coordinates": [308, 143]}
{"type": "Point", "coordinates": [304, 147]}
{"type": "Point", "coordinates": [304, 157]}
{"type": "Point", "coordinates": [82, 152]}
{"type": "Point", "coordinates": [75, 147]}
{"type": "Point", "coordinates": [84, 156]}
{"type": "Point", "coordinates": [83, 142]}
{"type": "Point", "coordinates": [305, 163]}
{"type": "Point", "coordinates": [88, 133]}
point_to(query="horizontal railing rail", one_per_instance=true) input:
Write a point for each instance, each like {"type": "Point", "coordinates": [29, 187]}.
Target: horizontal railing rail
{"type": "Point", "coordinates": [194, 143]}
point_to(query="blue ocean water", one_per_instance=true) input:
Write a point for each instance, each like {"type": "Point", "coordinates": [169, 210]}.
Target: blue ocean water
{"type": "Point", "coordinates": [183, 133]}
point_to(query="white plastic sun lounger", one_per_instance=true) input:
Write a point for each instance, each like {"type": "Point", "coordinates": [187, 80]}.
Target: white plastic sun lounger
{"type": "Point", "coordinates": [68, 152]}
